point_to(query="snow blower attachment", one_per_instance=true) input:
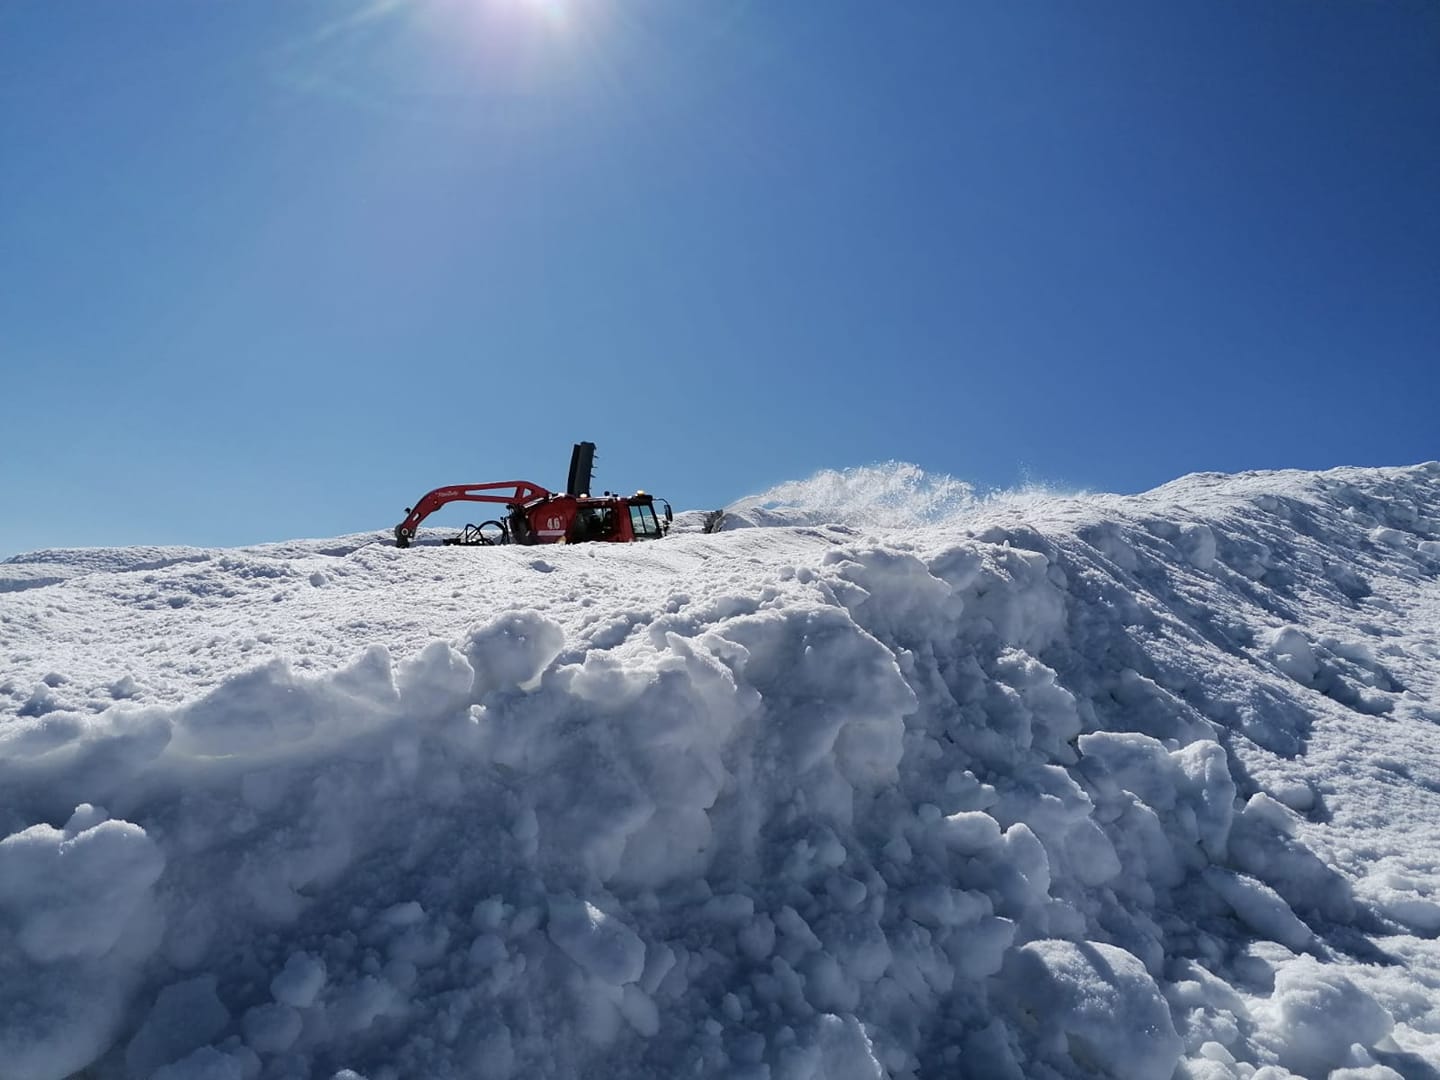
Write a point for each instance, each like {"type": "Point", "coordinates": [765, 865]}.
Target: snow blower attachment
{"type": "Point", "coordinates": [535, 515]}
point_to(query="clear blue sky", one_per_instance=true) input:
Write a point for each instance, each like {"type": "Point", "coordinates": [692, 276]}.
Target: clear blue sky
{"type": "Point", "coordinates": [273, 268]}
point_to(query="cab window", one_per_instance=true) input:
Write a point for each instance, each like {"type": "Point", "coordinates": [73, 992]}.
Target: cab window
{"type": "Point", "coordinates": [592, 523]}
{"type": "Point", "coordinates": [644, 521]}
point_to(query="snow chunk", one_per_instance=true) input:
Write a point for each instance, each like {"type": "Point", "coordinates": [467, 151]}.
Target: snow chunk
{"type": "Point", "coordinates": [640, 1011]}
{"type": "Point", "coordinates": [269, 707]}
{"type": "Point", "coordinates": [512, 651]}
{"type": "Point", "coordinates": [843, 694]}
{"type": "Point", "coordinates": [360, 1004]}
{"type": "Point", "coordinates": [599, 943]}
{"type": "Point", "coordinates": [728, 908]}
{"type": "Point", "coordinates": [185, 1017]}
{"type": "Point", "coordinates": [408, 913]}
{"type": "Point", "coordinates": [1191, 790]}
{"type": "Point", "coordinates": [300, 982]}
{"type": "Point", "coordinates": [1104, 1001]}
{"type": "Point", "coordinates": [436, 681]}
{"type": "Point", "coordinates": [970, 832]}
{"type": "Point", "coordinates": [1317, 1014]}
{"type": "Point", "coordinates": [124, 688]}
{"type": "Point", "coordinates": [1198, 544]}
{"type": "Point", "coordinates": [1291, 652]}
{"type": "Point", "coordinates": [208, 1063]}
{"type": "Point", "coordinates": [272, 1029]}
{"type": "Point", "coordinates": [77, 920]}
{"type": "Point", "coordinates": [1026, 854]}
{"type": "Point", "coordinates": [1400, 897]}
{"type": "Point", "coordinates": [936, 905]}
{"type": "Point", "coordinates": [1259, 907]}
{"type": "Point", "coordinates": [838, 1049]}
{"type": "Point", "coordinates": [72, 893]}
{"type": "Point", "coordinates": [86, 816]}
{"type": "Point", "coordinates": [1090, 854]}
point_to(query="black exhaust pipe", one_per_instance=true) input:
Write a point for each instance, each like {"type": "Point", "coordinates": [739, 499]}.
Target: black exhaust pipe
{"type": "Point", "coordinates": [582, 468]}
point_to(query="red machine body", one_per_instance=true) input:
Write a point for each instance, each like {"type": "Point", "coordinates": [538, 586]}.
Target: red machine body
{"type": "Point", "coordinates": [536, 515]}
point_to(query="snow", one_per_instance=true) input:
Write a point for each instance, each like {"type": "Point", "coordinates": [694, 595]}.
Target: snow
{"type": "Point", "coordinates": [885, 778]}
{"type": "Point", "coordinates": [599, 943]}
{"type": "Point", "coordinates": [300, 981]}
{"type": "Point", "coordinates": [1093, 1004]}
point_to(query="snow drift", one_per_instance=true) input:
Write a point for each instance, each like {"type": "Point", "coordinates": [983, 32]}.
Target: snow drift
{"type": "Point", "coordinates": [1036, 786]}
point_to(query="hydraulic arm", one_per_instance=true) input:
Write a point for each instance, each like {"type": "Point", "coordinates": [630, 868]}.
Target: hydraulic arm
{"type": "Point", "coordinates": [520, 493]}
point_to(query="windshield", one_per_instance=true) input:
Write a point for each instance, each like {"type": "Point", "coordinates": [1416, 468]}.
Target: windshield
{"type": "Point", "coordinates": [644, 521]}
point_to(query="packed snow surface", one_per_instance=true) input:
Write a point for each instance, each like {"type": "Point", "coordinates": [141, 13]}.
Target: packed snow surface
{"type": "Point", "coordinates": [881, 779]}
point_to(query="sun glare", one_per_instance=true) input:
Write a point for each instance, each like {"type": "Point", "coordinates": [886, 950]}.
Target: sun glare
{"type": "Point", "coordinates": [404, 56]}
{"type": "Point", "coordinates": [554, 13]}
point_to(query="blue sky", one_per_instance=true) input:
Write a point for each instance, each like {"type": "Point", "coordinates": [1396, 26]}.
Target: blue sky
{"type": "Point", "coordinates": [274, 268]}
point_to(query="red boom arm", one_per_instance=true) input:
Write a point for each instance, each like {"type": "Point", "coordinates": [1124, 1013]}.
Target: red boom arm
{"type": "Point", "coordinates": [519, 492]}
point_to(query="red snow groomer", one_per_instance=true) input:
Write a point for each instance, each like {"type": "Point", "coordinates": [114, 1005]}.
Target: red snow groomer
{"type": "Point", "coordinates": [537, 516]}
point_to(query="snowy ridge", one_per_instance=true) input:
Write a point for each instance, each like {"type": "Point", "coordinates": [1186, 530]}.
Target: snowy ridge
{"type": "Point", "coordinates": [1037, 787]}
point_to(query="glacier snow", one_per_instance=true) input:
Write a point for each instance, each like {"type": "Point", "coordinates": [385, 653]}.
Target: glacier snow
{"type": "Point", "coordinates": [883, 779]}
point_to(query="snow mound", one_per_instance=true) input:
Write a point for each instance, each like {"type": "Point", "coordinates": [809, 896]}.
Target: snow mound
{"type": "Point", "coordinates": [1032, 787]}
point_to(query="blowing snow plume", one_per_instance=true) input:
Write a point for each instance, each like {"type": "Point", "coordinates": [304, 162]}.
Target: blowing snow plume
{"type": "Point", "coordinates": [894, 494]}
{"type": "Point", "coordinates": [1070, 787]}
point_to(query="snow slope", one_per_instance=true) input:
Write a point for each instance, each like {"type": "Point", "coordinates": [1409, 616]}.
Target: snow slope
{"type": "Point", "coordinates": [1035, 786]}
